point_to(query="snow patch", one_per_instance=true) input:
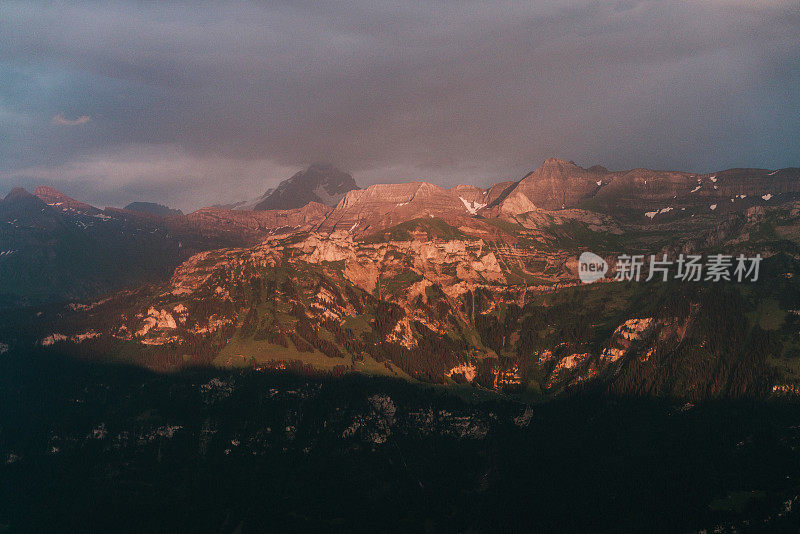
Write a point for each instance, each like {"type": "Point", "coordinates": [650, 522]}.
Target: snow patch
{"type": "Point", "coordinates": [696, 189]}
{"type": "Point", "coordinates": [472, 207]}
{"type": "Point", "coordinates": [767, 196]}
{"type": "Point", "coordinates": [712, 207]}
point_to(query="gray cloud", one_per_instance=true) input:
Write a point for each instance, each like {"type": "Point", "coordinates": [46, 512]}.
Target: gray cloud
{"type": "Point", "coordinates": [243, 94]}
{"type": "Point", "coordinates": [61, 120]}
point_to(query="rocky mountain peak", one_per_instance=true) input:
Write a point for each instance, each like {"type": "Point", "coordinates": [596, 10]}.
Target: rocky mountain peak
{"type": "Point", "coordinates": [554, 185]}
{"type": "Point", "coordinates": [22, 205]}
{"type": "Point", "coordinates": [17, 193]}
{"type": "Point", "coordinates": [320, 182]}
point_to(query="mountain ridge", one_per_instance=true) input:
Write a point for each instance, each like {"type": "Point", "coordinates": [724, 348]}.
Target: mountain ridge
{"type": "Point", "coordinates": [152, 208]}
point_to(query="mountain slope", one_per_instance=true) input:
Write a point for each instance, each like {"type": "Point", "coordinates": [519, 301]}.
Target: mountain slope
{"type": "Point", "coordinates": [53, 247]}
{"type": "Point", "coordinates": [45, 254]}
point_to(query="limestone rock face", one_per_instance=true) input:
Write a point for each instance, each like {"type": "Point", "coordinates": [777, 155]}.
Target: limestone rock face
{"type": "Point", "coordinates": [383, 205]}
{"type": "Point", "coordinates": [516, 203]}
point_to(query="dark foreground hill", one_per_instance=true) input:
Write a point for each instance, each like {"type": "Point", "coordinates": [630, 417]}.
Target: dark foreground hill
{"type": "Point", "coordinates": [106, 448]}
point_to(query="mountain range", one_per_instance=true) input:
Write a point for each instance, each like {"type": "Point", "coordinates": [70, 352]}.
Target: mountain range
{"type": "Point", "coordinates": [466, 285]}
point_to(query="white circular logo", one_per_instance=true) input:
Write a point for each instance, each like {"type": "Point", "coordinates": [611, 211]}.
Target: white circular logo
{"type": "Point", "coordinates": [591, 267]}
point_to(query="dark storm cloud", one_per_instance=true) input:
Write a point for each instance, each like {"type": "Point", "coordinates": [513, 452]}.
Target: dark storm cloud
{"type": "Point", "coordinates": [224, 100]}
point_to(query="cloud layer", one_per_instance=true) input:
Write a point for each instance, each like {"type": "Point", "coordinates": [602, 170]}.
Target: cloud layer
{"type": "Point", "coordinates": [192, 104]}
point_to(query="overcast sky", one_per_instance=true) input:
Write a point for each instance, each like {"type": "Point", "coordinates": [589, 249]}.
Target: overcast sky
{"type": "Point", "coordinates": [191, 105]}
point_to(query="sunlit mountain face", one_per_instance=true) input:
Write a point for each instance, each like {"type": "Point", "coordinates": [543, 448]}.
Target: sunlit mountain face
{"type": "Point", "coordinates": [316, 268]}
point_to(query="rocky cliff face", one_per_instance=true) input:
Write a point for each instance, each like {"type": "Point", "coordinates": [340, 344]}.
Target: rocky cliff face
{"type": "Point", "coordinates": [321, 183]}
{"type": "Point", "coordinates": [383, 205]}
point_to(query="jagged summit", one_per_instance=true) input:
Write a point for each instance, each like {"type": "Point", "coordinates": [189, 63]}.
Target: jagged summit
{"type": "Point", "coordinates": [320, 182]}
